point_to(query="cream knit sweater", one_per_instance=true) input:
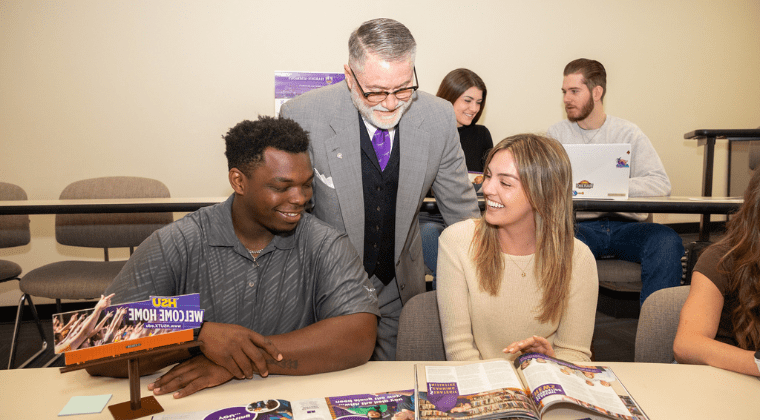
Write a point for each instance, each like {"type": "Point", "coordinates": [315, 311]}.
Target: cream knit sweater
{"type": "Point", "coordinates": [477, 325]}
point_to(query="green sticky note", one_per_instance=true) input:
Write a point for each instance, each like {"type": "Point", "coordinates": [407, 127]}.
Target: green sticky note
{"type": "Point", "coordinates": [85, 405]}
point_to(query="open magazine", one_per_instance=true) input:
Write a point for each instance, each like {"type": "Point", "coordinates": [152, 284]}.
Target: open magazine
{"type": "Point", "coordinates": [397, 405]}
{"type": "Point", "coordinates": [535, 387]}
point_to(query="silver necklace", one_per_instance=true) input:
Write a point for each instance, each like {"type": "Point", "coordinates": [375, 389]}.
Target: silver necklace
{"type": "Point", "coordinates": [586, 139]}
{"type": "Point", "coordinates": [518, 266]}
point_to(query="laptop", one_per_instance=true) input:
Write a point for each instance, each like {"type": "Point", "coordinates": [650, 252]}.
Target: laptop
{"type": "Point", "coordinates": [600, 171]}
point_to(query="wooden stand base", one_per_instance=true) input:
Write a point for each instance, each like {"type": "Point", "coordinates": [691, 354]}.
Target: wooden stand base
{"type": "Point", "coordinates": [124, 411]}
{"type": "Point", "coordinates": [136, 407]}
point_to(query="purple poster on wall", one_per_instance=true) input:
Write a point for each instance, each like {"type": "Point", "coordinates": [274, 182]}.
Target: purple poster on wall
{"type": "Point", "coordinates": [289, 84]}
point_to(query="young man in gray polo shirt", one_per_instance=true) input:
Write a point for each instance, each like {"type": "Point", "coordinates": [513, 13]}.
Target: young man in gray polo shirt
{"type": "Point", "coordinates": [283, 292]}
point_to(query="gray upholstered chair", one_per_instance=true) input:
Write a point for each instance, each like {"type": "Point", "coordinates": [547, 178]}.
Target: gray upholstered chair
{"type": "Point", "coordinates": [754, 155]}
{"type": "Point", "coordinates": [89, 279]}
{"type": "Point", "coordinates": [14, 231]}
{"type": "Point", "coordinates": [658, 324]}
{"type": "Point", "coordinates": [619, 275]}
{"type": "Point", "coordinates": [419, 330]}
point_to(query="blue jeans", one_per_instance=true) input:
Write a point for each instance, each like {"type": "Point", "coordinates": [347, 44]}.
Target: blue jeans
{"type": "Point", "coordinates": [431, 226]}
{"type": "Point", "coordinates": [656, 247]}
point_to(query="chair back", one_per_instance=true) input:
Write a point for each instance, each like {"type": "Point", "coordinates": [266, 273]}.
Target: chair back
{"type": "Point", "coordinates": [419, 330]}
{"type": "Point", "coordinates": [111, 230]}
{"type": "Point", "coordinates": [658, 324]}
{"type": "Point", "coordinates": [754, 154]}
{"type": "Point", "coordinates": [14, 229]}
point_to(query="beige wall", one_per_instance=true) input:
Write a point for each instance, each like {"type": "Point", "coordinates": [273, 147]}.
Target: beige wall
{"type": "Point", "coordinates": [92, 88]}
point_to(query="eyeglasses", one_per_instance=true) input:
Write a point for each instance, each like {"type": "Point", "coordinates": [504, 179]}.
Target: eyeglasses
{"type": "Point", "coordinates": [377, 97]}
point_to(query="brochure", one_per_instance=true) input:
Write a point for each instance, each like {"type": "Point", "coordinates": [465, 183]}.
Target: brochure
{"type": "Point", "coordinates": [535, 387]}
{"type": "Point", "coordinates": [398, 405]}
{"type": "Point", "coordinates": [110, 330]}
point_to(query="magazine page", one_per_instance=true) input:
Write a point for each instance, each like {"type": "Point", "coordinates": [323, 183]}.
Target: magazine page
{"type": "Point", "coordinates": [485, 390]}
{"type": "Point", "coordinates": [595, 388]}
{"type": "Point", "coordinates": [396, 405]}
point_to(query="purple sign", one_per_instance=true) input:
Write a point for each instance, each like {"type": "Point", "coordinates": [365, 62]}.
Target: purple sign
{"type": "Point", "coordinates": [289, 84]}
{"type": "Point", "coordinates": [159, 312]}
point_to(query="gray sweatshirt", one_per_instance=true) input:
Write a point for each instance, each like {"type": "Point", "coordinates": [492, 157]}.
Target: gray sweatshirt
{"type": "Point", "coordinates": [648, 177]}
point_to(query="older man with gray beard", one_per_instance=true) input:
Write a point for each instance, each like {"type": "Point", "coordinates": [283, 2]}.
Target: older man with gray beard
{"type": "Point", "coordinates": [378, 146]}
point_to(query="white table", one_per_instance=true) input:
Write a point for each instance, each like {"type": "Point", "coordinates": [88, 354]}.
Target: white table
{"type": "Point", "coordinates": [664, 391]}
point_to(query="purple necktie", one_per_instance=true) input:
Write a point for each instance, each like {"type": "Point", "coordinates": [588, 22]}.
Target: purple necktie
{"type": "Point", "coordinates": [381, 141]}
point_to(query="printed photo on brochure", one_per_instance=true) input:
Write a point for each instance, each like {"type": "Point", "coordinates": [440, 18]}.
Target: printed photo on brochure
{"type": "Point", "coordinates": [110, 330]}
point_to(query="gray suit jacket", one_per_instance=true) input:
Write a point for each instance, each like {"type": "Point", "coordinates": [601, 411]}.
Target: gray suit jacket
{"type": "Point", "coordinates": [430, 156]}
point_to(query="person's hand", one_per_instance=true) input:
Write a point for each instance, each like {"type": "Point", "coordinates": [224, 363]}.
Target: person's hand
{"type": "Point", "coordinates": [104, 302]}
{"type": "Point", "coordinates": [57, 324]}
{"type": "Point", "coordinates": [139, 332]}
{"type": "Point", "coordinates": [238, 349]}
{"type": "Point", "coordinates": [533, 344]}
{"type": "Point", "coordinates": [190, 377]}
{"type": "Point", "coordinates": [114, 325]}
{"type": "Point", "coordinates": [120, 313]}
{"type": "Point", "coordinates": [120, 334]}
{"type": "Point", "coordinates": [72, 320]}
{"type": "Point", "coordinates": [134, 332]}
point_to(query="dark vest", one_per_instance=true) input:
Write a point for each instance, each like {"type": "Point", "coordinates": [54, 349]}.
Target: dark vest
{"type": "Point", "coordinates": [380, 189]}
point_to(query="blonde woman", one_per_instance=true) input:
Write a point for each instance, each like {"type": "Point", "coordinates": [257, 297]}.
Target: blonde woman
{"type": "Point", "coordinates": [517, 280]}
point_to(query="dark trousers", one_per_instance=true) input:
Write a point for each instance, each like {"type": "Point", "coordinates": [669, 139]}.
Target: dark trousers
{"type": "Point", "coordinates": [656, 247]}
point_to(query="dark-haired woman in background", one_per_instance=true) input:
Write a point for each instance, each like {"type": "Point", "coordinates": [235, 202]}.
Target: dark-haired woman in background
{"type": "Point", "coordinates": [720, 321]}
{"type": "Point", "coordinates": [467, 92]}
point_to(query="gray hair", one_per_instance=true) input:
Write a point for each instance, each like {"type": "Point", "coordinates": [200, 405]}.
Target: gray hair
{"type": "Point", "coordinates": [387, 38]}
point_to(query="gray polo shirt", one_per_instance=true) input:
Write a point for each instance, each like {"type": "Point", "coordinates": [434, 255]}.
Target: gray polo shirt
{"type": "Point", "coordinates": [301, 277]}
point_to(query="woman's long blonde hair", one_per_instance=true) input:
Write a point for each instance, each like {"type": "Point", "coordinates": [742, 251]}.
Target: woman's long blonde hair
{"type": "Point", "coordinates": [545, 174]}
{"type": "Point", "coordinates": [742, 266]}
